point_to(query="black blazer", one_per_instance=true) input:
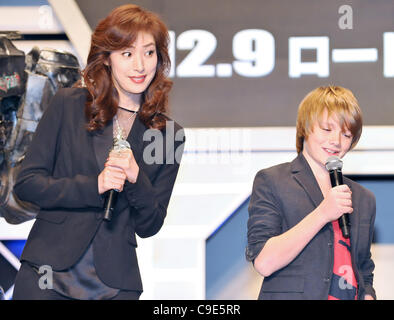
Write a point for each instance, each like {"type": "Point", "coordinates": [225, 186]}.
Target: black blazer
{"type": "Point", "coordinates": [60, 175]}
{"type": "Point", "coordinates": [282, 196]}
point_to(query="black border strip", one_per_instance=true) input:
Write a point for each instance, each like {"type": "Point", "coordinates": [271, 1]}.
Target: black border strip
{"type": "Point", "coordinates": [42, 36]}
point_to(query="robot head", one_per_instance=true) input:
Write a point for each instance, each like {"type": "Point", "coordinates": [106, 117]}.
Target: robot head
{"type": "Point", "coordinates": [61, 68]}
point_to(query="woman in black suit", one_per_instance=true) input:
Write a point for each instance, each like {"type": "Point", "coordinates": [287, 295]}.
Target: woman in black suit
{"type": "Point", "coordinates": [294, 239]}
{"type": "Point", "coordinates": [71, 251]}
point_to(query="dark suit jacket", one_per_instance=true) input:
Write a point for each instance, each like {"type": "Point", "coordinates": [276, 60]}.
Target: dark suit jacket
{"type": "Point", "coordinates": [282, 196]}
{"type": "Point", "coordinates": [59, 174]}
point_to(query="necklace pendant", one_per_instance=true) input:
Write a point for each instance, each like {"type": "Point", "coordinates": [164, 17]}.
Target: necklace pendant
{"type": "Point", "coordinates": [120, 142]}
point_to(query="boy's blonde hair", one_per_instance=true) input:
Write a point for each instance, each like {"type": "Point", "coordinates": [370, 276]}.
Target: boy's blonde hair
{"type": "Point", "coordinates": [337, 101]}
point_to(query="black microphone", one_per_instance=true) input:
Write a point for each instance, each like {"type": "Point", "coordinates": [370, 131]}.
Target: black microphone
{"type": "Point", "coordinates": [112, 195]}
{"type": "Point", "coordinates": [109, 205]}
{"type": "Point", "coordinates": [334, 167]}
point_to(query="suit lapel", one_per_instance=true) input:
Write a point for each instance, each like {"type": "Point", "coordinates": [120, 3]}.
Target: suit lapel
{"type": "Point", "coordinates": [353, 217]}
{"type": "Point", "coordinates": [102, 144]}
{"type": "Point", "coordinates": [303, 174]}
{"type": "Point", "coordinates": [135, 138]}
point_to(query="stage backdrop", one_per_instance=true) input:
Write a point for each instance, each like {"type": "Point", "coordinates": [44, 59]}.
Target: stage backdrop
{"type": "Point", "coordinates": [249, 63]}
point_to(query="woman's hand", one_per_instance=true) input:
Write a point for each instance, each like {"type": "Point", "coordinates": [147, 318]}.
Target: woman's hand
{"type": "Point", "coordinates": [111, 178]}
{"type": "Point", "coordinates": [124, 160]}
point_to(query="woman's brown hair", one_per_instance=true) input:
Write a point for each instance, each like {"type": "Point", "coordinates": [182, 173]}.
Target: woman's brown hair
{"type": "Point", "coordinates": [336, 101]}
{"type": "Point", "coordinates": [115, 32]}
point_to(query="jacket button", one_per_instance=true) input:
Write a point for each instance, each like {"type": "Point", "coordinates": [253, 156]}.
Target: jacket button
{"type": "Point", "coordinates": [327, 279]}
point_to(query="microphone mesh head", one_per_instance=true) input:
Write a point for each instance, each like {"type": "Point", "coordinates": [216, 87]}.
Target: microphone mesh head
{"type": "Point", "coordinates": [334, 163]}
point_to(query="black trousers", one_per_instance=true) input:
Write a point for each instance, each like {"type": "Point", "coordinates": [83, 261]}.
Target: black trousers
{"type": "Point", "coordinates": [27, 288]}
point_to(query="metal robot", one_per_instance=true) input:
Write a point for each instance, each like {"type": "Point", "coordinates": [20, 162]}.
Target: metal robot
{"type": "Point", "coordinates": [27, 84]}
